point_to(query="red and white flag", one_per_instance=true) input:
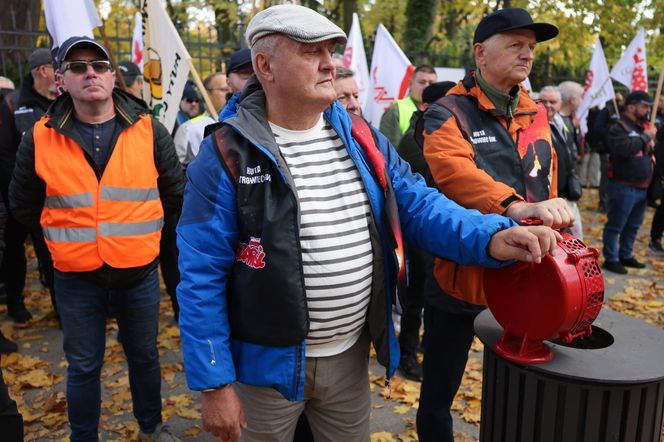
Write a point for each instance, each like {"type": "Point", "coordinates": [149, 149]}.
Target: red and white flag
{"type": "Point", "coordinates": [356, 59]}
{"type": "Point", "coordinates": [597, 88]}
{"type": "Point", "coordinates": [631, 69]}
{"type": "Point", "coordinates": [389, 76]}
{"type": "Point", "coordinates": [137, 42]}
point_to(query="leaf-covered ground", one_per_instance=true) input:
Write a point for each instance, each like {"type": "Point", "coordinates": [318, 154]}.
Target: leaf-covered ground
{"type": "Point", "coordinates": [36, 375]}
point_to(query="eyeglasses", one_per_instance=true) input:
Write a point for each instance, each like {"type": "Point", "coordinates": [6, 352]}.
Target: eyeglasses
{"type": "Point", "coordinates": [222, 89]}
{"type": "Point", "coordinates": [81, 66]}
{"type": "Point", "coordinates": [192, 100]}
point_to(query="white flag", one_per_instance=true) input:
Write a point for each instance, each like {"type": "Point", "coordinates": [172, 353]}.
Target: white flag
{"type": "Point", "coordinates": [356, 59]}
{"type": "Point", "coordinates": [389, 76]}
{"type": "Point", "coordinates": [631, 69]}
{"type": "Point", "coordinates": [70, 18]}
{"type": "Point", "coordinates": [597, 88]}
{"type": "Point", "coordinates": [165, 65]}
{"type": "Point", "coordinates": [137, 42]}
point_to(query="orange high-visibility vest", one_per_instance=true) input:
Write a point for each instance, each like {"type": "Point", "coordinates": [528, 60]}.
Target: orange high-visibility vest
{"type": "Point", "coordinates": [87, 222]}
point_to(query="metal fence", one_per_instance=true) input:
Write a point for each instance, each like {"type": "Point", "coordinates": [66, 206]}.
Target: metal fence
{"type": "Point", "coordinates": [16, 44]}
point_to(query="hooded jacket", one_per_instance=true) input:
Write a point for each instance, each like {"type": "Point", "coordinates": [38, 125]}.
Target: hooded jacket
{"type": "Point", "coordinates": [493, 179]}
{"type": "Point", "coordinates": [224, 341]}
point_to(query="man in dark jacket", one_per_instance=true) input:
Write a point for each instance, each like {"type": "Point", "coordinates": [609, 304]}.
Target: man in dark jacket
{"type": "Point", "coordinates": [563, 137]}
{"type": "Point", "coordinates": [97, 173]}
{"type": "Point", "coordinates": [630, 171]}
{"type": "Point", "coordinates": [412, 301]}
{"type": "Point", "coordinates": [18, 113]}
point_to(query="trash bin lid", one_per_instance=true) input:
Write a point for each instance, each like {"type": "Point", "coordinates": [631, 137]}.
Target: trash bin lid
{"type": "Point", "coordinates": [636, 354]}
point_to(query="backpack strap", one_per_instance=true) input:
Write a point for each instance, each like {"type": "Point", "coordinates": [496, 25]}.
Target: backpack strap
{"type": "Point", "coordinates": [228, 155]}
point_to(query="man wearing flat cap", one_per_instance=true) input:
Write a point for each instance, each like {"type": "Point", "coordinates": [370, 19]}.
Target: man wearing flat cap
{"type": "Point", "coordinates": [96, 172]}
{"type": "Point", "coordinates": [290, 245]}
{"type": "Point", "coordinates": [19, 111]}
{"type": "Point", "coordinates": [488, 146]}
{"type": "Point", "coordinates": [631, 147]}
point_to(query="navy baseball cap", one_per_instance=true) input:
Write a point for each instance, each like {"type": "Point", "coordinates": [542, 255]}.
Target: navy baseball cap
{"type": "Point", "coordinates": [77, 42]}
{"type": "Point", "coordinates": [239, 59]}
{"type": "Point", "coordinates": [511, 19]}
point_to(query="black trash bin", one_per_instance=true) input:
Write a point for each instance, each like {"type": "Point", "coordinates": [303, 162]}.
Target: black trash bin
{"type": "Point", "coordinates": [606, 388]}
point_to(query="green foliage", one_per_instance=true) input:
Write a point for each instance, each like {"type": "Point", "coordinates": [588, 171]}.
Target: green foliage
{"type": "Point", "coordinates": [440, 32]}
{"type": "Point", "coordinates": [419, 23]}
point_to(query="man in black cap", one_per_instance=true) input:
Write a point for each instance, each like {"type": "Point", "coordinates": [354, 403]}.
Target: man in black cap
{"type": "Point", "coordinates": [190, 105]}
{"type": "Point", "coordinates": [631, 147]}
{"type": "Point", "coordinates": [96, 173]}
{"type": "Point", "coordinates": [239, 70]}
{"type": "Point", "coordinates": [488, 147]}
{"type": "Point", "coordinates": [18, 113]}
{"type": "Point", "coordinates": [133, 78]}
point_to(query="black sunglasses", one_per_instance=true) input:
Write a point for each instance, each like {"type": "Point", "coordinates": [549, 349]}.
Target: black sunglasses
{"type": "Point", "coordinates": [81, 66]}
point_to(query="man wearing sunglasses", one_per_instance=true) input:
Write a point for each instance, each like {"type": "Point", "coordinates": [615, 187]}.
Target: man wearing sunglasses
{"type": "Point", "coordinates": [97, 173]}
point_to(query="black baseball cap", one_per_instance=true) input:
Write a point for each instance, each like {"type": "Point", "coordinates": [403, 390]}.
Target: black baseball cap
{"type": "Point", "coordinates": [638, 97]}
{"type": "Point", "coordinates": [510, 19]}
{"type": "Point", "coordinates": [39, 57]}
{"type": "Point", "coordinates": [76, 42]}
{"type": "Point", "coordinates": [239, 59]}
{"type": "Point", "coordinates": [130, 72]}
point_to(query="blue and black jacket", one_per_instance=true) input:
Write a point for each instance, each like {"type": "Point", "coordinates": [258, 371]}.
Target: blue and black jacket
{"type": "Point", "coordinates": [243, 312]}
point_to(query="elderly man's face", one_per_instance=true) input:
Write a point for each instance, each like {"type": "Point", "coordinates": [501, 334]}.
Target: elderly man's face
{"type": "Point", "coordinates": [305, 72]}
{"type": "Point", "coordinates": [506, 59]}
{"type": "Point", "coordinates": [348, 95]}
{"type": "Point", "coordinates": [551, 100]}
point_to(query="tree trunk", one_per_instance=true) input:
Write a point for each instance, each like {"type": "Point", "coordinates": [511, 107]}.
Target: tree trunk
{"type": "Point", "coordinates": [419, 25]}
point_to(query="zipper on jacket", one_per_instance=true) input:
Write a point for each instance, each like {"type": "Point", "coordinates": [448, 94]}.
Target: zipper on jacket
{"type": "Point", "coordinates": [456, 272]}
{"type": "Point", "coordinates": [298, 367]}
{"type": "Point", "coordinates": [213, 358]}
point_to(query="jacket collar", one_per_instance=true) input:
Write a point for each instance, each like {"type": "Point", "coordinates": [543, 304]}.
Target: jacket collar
{"type": "Point", "coordinates": [127, 108]}
{"type": "Point", "coordinates": [468, 86]}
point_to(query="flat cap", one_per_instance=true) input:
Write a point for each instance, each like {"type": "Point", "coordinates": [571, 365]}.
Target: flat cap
{"type": "Point", "coordinates": [297, 22]}
{"type": "Point", "coordinates": [39, 57]}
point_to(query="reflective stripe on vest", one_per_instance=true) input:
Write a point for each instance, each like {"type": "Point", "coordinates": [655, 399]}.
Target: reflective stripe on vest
{"type": "Point", "coordinates": [128, 194]}
{"type": "Point", "coordinates": [68, 201]}
{"type": "Point", "coordinates": [130, 229]}
{"type": "Point", "coordinates": [407, 108]}
{"type": "Point", "coordinates": [70, 234]}
{"type": "Point", "coordinates": [115, 220]}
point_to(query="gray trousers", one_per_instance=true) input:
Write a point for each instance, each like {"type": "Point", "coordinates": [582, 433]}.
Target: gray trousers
{"type": "Point", "coordinates": [337, 401]}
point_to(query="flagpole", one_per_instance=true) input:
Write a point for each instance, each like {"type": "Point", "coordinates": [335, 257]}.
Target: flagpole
{"type": "Point", "coordinates": [658, 92]}
{"type": "Point", "coordinates": [118, 72]}
{"type": "Point", "coordinates": [208, 103]}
